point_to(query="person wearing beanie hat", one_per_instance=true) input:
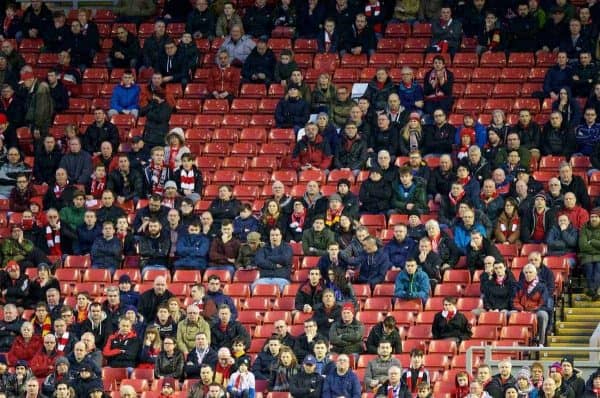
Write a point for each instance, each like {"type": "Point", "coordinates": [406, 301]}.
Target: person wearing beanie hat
{"type": "Point", "coordinates": [349, 199]}
{"type": "Point", "coordinates": [293, 112]}
{"type": "Point", "coordinates": [346, 334]}
{"type": "Point", "coordinates": [537, 221]}
{"type": "Point", "coordinates": [308, 382]}
{"type": "Point", "coordinates": [375, 193]}
{"type": "Point", "coordinates": [555, 371]}
{"type": "Point", "coordinates": [571, 377]}
{"type": "Point", "coordinates": [589, 253]}
{"type": "Point", "coordinates": [175, 148]}
{"type": "Point", "coordinates": [466, 139]}
{"type": "Point", "coordinates": [242, 383]}
{"type": "Point", "coordinates": [248, 250]}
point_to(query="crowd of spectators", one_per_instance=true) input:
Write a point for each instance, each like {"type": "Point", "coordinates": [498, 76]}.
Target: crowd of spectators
{"type": "Point", "coordinates": [98, 199]}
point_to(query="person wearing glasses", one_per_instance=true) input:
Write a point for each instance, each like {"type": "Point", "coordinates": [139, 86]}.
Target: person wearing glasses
{"type": "Point", "coordinates": [341, 382]}
{"type": "Point", "coordinates": [170, 360]}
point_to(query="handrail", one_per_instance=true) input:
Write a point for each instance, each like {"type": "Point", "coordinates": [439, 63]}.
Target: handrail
{"type": "Point", "coordinates": [487, 350]}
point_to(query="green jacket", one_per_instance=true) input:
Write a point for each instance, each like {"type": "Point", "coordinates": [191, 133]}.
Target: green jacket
{"type": "Point", "coordinates": [187, 331]}
{"type": "Point", "coordinates": [589, 244]}
{"type": "Point", "coordinates": [524, 154]}
{"type": "Point", "coordinates": [72, 216]}
{"type": "Point", "coordinates": [11, 250]}
{"type": "Point", "coordinates": [318, 240]}
{"type": "Point", "coordinates": [416, 195]}
{"type": "Point", "coordinates": [41, 108]}
{"type": "Point", "coordinates": [340, 111]}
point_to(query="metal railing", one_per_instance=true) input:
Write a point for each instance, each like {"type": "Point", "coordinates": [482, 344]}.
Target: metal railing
{"type": "Point", "coordinates": [590, 364]}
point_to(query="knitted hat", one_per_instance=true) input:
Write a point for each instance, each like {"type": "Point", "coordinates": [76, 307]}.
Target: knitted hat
{"type": "Point", "coordinates": [595, 211]}
{"type": "Point", "coordinates": [61, 360]}
{"type": "Point", "coordinates": [253, 237]}
{"type": "Point", "coordinates": [568, 358]}
{"type": "Point", "coordinates": [348, 307]}
{"type": "Point", "coordinates": [556, 367]}
{"type": "Point", "coordinates": [335, 196]}
{"type": "Point", "coordinates": [414, 116]}
{"type": "Point", "coordinates": [12, 265]}
{"type": "Point", "coordinates": [124, 279]}
{"type": "Point", "coordinates": [524, 373]}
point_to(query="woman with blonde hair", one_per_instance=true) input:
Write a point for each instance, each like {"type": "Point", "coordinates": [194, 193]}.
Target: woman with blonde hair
{"type": "Point", "coordinates": [323, 94]}
{"type": "Point", "coordinates": [175, 148]}
{"type": "Point", "coordinates": [177, 314]}
{"type": "Point", "coordinates": [411, 135]}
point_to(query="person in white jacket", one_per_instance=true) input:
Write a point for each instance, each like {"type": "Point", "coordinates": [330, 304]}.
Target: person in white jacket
{"type": "Point", "coordinates": [242, 383]}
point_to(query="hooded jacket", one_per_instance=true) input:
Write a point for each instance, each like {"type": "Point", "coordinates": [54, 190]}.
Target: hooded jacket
{"type": "Point", "coordinates": [499, 295]}
{"type": "Point", "coordinates": [291, 112]}
{"type": "Point", "coordinates": [316, 153]}
{"type": "Point", "coordinates": [408, 287]}
{"type": "Point", "coordinates": [121, 351]}
{"type": "Point", "coordinates": [192, 251]}
{"type": "Point", "coordinates": [346, 338]}
{"type": "Point", "coordinates": [257, 63]}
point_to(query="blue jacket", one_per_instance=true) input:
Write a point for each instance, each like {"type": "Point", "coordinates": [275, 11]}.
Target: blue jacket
{"type": "Point", "coordinates": [129, 298]}
{"type": "Point", "coordinates": [220, 298]}
{"type": "Point", "coordinates": [242, 227]}
{"type": "Point", "coordinates": [399, 252]}
{"type": "Point", "coordinates": [268, 257]}
{"type": "Point", "coordinates": [86, 238]}
{"type": "Point", "coordinates": [347, 386]}
{"type": "Point", "coordinates": [462, 236]}
{"type": "Point", "coordinates": [408, 287]}
{"type": "Point", "coordinates": [325, 263]}
{"type": "Point", "coordinates": [106, 253]}
{"type": "Point", "coordinates": [125, 97]}
{"type": "Point", "coordinates": [291, 112]}
{"type": "Point", "coordinates": [557, 78]}
{"type": "Point", "coordinates": [587, 137]}
{"type": "Point", "coordinates": [192, 250]}
{"type": "Point", "coordinates": [373, 267]}
{"type": "Point", "coordinates": [410, 95]}
{"type": "Point", "coordinates": [480, 135]}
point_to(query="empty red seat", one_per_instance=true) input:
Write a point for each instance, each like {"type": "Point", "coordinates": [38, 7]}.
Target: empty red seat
{"type": "Point", "coordinates": [195, 90]}
{"type": "Point", "coordinates": [305, 45]}
{"type": "Point", "coordinates": [72, 261]}
{"type": "Point", "coordinates": [396, 30]}
{"type": "Point", "coordinates": [253, 91]}
{"type": "Point", "coordinates": [253, 177]}
{"type": "Point", "coordinates": [215, 106]}
{"type": "Point", "coordinates": [531, 104]}
{"type": "Point", "coordinates": [465, 60]}
{"type": "Point", "coordinates": [506, 90]}
{"type": "Point", "coordinates": [479, 90]}
{"type": "Point", "coordinates": [326, 62]}
{"type": "Point", "coordinates": [240, 105]}
{"type": "Point", "coordinates": [380, 60]}
{"type": "Point", "coordinates": [257, 135]}
{"type": "Point", "coordinates": [416, 44]}
{"type": "Point", "coordinates": [493, 60]}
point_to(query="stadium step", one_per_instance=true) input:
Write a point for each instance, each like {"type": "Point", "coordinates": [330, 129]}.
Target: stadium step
{"type": "Point", "coordinates": [560, 340]}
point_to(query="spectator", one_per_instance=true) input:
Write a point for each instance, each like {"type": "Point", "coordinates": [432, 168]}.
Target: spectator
{"type": "Point", "coordinates": [224, 249]}
{"type": "Point", "coordinates": [377, 369]}
{"type": "Point", "coordinates": [267, 358]}
{"type": "Point", "coordinates": [47, 160]}
{"type": "Point", "coordinates": [589, 255]}
{"type": "Point", "coordinates": [532, 296]}
{"type": "Point", "coordinates": [155, 85]}
{"type": "Point", "coordinates": [316, 240]}
{"type": "Point", "coordinates": [359, 38]}
{"type": "Point", "coordinates": [464, 226]}
{"type": "Point", "coordinates": [491, 202]}
{"type": "Point", "coordinates": [323, 94]}
{"type": "Point", "coordinates": [513, 143]}
{"type": "Point", "coordinates": [157, 112]}
{"type": "Point", "coordinates": [283, 370]}
{"type": "Point", "coordinates": [307, 383]}
{"type": "Point", "coordinates": [172, 64]}
{"type": "Point", "coordinates": [109, 211]}
{"type": "Point", "coordinates": [192, 249]}
{"type": "Point", "coordinates": [558, 76]}
{"type": "Point", "coordinates": [274, 261]}
{"type": "Point", "coordinates": [412, 282]}
{"type": "Point", "coordinates": [416, 373]}
{"type": "Point", "coordinates": [292, 111]}
{"type": "Point", "coordinates": [157, 173]}
{"type": "Point", "coordinates": [25, 346]}
{"type": "Point", "coordinates": [134, 11]}
{"type": "Point", "coordinates": [379, 89]}
{"type": "Point", "coordinates": [154, 247]}
{"type": "Point", "coordinates": [242, 382]}
{"type": "Point", "coordinates": [225, 329]}
{"type": "Point", "coordinates": [393, 384]}
{"type": "Point", "coordinates": [576, 214]}
{"type": "Point", "coordinates": [342, 381]}
{"type": "Point", "coordinates": [559, 140]}
{"type": "Point", "coordinates": [97, 324]}
{"type": "Point", "coordinates": [238, 45]}
{"type": "Point", "coordinates": [225, 206]}
{"type": "Point", "coordinates": [224, 79]}
{"type": "Point", "coordinates": [122, 348]}
{"type": "Point", "coordinates": [430, 261]}
{"type": "Point", "coordinates": [573, 183]}
{"type": "Point", "coordinates": [446, 33]}
{"type": "Point", "coordinates": [587, 134]}
{"type": "Point", "coordinates": [39, 105]}
{"type": "Point", "coordinates": [10, 327]}
{"type": "Point", "coordinates": [374, 263]}
{"type": "Point", "coordinates": [259, 66]}
{"type": "Point", "coordinates": [125, 52]}
{"type": "Point", "coordinates": [450, 323]}
{"type": "Point", "coordinates": [408, 194]}
{"type": "Point", "coordinates": [341, 106]}
{"type": "Point", "coordinates": [58, 92]}
{"type": "Point", "coordinates": [99, 131]}
{"type": "Point", "coordinates": [227, 20]}
{"type": "Point", "coordinates": [499, 289]}
{"type": "Point", "coordinates": [258, 19]}
{"type": "Point", "coordinates": [170, 361]}
{"type": "Point", "coordinates": [491, 36]}
{"type": "Point", "coordinates": [568, 107]}
{"type": "Point", "coordinates": [36, 20]}
{"type": "Point", "coordinates": [42, 363]}
{"type": "Point", "coordinates": [375, 193]}
{"type": "Point", "coordinates": [351, 152]}
{"type": "Point", "coordinates": [125, 97]}
{"type": "Point", "coordinates": [199, 357]}
{"type": "Point", "coordinates": [107, 251]}
{"type": "Point", "coordinates": [346, 334]}
{"type": "Point", "coordinates": [583, 74]}
{"type": "Point", "coordinates": [508, 225]}
{"type": "Point", "coordinates": [13, 26]}
{"type": "Point", "coordinates": [563, 236]}
{"type": "Point", "coordinates": [439, 137]}
{"type": "Point", "coordinates": [126, 183]}
{"type": "Point", "coordinates": [401, 247]}
{"type": "Point", "coordinates": [21, 195]}
{"type": "Point", "coordinates": [572, 377]}
{"type": "Point", "coordinates": [575, 42]}
{"type": "Point", "coordinates": [438, 88]}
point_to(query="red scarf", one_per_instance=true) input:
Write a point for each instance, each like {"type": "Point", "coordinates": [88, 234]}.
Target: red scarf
{"type": "Point", "coordinates": [464, 181]}
{"type": "Point", "coordinates": [187, 179]}
{"type": "Point", "coordinates": [332, 217]}
{"type": "Point", "coordinates": [448, 315]}
{"type": "Point", "coordinates": [487, 198]}
{"type": "Point", "coordinates": [58, 190]}
{"type": "Point", "coordinates": [413, 388]}
{"type": "Point", "coordinates": [454, 201]}
{"type": "Point", "coordinates": [531, 285]}
{"type": "Point", "coordinates": [98, 186]}
{"type": "Point", "coordinates": [434, 82]}
{"type": "Point", "coordinates": [53, 240]}
{"type": "Point", "coordinates": [172, 157]}
{"type": "Point", "coordinates": [61, 342]}
{"type": "Point", "coordinates": [299, 218]}
{"type": "Point", "coordinates": [462, 391]}
{"type": "Point", "coordinates": [270, 220]}
{"type": "Point", "coordinates": [500, 280]}
{"type": "Point", "coordinates": [159, 178]}
{"type": "Point", "coordinates": [6, 24]}
{"type": "Point", "coordinates": [513, 226]}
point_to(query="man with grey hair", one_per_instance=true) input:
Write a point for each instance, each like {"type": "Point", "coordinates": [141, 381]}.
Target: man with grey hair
{"type": "Point", "coordinates": [238, 45]}
{"type": "Point", "coordinates": [10, 327]}
{"type": "Point", "coordinates": [93, 352]}
{"type": "Point", "coordinates": [441, 178]}
{"type": "Point", "coordinates": [532, 296]}
{"type": "Point", "coordinates": [410, 92]}
{"type": "Point", "coordinates": [389, 171]}
{"type": "Point", "coordinates": [189, 327]}
{"type": "Point", "coordinates": [151, 299]}
{"type": "Point", "coordinates": [393, 384]}
{"type": "Point", "coordinates": [79, 359]}
{"type": "Point", "coordinates": [573, 183]}
{"type": "Point", "coordinates": [478, 166]}
{"type": "Point", "coordinates": [342, 382]}
{"type": "Point", "coordinates": [112, 307]}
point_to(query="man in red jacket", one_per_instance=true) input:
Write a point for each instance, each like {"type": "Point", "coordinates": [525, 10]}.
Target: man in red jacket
{"type": "Point", "coordinates": [224, 80]}
{"type": "Point", "coordinates": [312, 152]}
{"type": "Point", "coordinates": [577, 214]}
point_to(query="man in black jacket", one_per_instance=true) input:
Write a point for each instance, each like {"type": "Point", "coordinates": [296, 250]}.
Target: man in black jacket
{"type": "Point", "coordinates": [101, 327]}
{"type": "Point", "coordinates": [151, 299]}
{"type": "Point", "coordinates": [172, 65]}
{"type": "Point", "coordinates": [47, 159]}
{"type": "Point", "coordinates": [360, 38]}
{"type": "Point", "coordinates": [307, 383]}
{"type": "Point", "coordinates": [259, 67]}
{"type": "Point", "coordinates": [154, 247]}
{"type": "Point", "coordinates": [202, 355]}
{"type": "Point", "coordinates": [224, 330]}
{"type": "Point", "coordinates": [575, 184]}
{"type": "Point", "coordinates": [10, 327]}
{"type": "Point", "coordinates": [258, 19]}
{"type": "Point", "coordinates": [201, 22]}
{"type": "Point", "coordinates": [58, 92]}
{"type": "Point", "coordinates": [126, 183]}
{"type": "Point", "coordinates": [98, 132]}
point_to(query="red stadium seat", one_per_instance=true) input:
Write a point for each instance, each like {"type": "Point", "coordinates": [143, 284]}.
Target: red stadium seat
{"type": "Point", "coordinates": [493, 60]}
{"type": "Point", "coordinates": [378, 303]}
{"type": "Point", "coordinates": [265, 291]}
{"type": "Point", "coordinates": [96, 275]}
{"type": "Point", "coordinates": [256, 135]}
{"type": "Point", "coordinates": [468, 60]}
{"type": "Point", "coordinates": [72, 261]}
{"type": "Point", "coordinates": [521, 60]}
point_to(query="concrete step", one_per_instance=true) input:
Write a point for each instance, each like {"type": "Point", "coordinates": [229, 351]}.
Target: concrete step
{"type": "Point", "coordinates": [573, 331]}
{"type": "Point", "coordinates": [559, 340]}
{"type": "Point", "coordinates": [584, 301]}
{"type": "Point", "coordinates": [582, 318]}
{"type": "Point", "coordinates": [582, 324]}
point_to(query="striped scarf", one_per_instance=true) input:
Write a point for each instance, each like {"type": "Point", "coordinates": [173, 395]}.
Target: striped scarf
{"type": "Point", "coordinates": [187, 179]}
{"type": "Point", "coordinates": [53, 240]}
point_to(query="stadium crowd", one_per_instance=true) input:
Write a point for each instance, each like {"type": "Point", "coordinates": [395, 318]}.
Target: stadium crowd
{"type": "Point", "coordinates": [454, 197]}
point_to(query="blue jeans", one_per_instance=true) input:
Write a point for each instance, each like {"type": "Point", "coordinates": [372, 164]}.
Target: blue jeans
{"type": "Point", "coordinates": [592, 275]}
{"type": "Point", "coordinates": [229, 268]}
{"type": "Point", "coordinates": [280, 282]}
{"type": "Point", "coordinates": [153, 267]}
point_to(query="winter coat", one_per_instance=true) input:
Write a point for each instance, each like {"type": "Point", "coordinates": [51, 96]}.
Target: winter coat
{"type": "Point", "coordinates": [268, 257]}
{"type": "Point", "coordinates": [346, 338]}
{"type": "Point", "coordinates": [558, 141]}
{"type": "Point", "coordinates": [106, 253]}
{"type": "Point", "coordinates": [323, 315]}
{"type": "Point", "coordinates": [587, 137]}
{"type": "Point", "coordinates": [408, 287]}
{"type": "Point", "coordinates": [45, 165]}
{"type": "Point", "coordinates": [506, 226]}
{"type": "Point", "coordinates": [153, 50]}
{"type": "Point", "coordinates": [388, 140]}
{"type": "Point", "coordinates": [154, 251]}
{"type": "Point", "coordinates": [351, 155]}
{"type": "Point", "coordinates": [475, 257]}
{"type": "Point", "coordinates": [589, 244]}
{"type": "Point", "coordinates": [187, 331]}
{"type": "Point", "coordinates": [192, 367]}
{"type": "Point", "coordinates": [224, 79]}
{"type": "Point", "coordinates": [451, 33]}
{"type": "Point", "coordinates": [529, 220]}
{"type": "Point", "coordinates": [201, 21]}
{"type": "Point", "coordinates": [457, 327]}
{"type": "Point", "coordinates": [415, 194]}
{"type": "Point", "coordinates": [440, 182]}
{"type": "Point", "coordinates": [78, 166]}
{"type": "Point", "coordinates": [537, 300]}
{"type": "Point", "coordinates": [224, 338]}
{"type": "Point", "coordinates": [134, 187]}
{"type": "Point", "coordinates": [378, 96]}
{"type": "Point", "coordinates": [291, 112]}
{"type": "Point", "coordinates": [216, 299]}
{"type": "Point", "coordinates": [399, 252]}
{"type": "Point", "coordinates": [410, 94]}
{"type": "Point", "coordinates": [493, 208]}
{"type": "Point", "coordinates": [353, 38]}
{"type": "Point", "coordinates": [309, 295]}
{"type": "Point", "coordinates": [281, 376]}
{"type": "Point", "coordinates": [438, 139]}
{"type": "Point", "coordinates": [40, 107]}
{"type": "Point", "coordinates": [83, 387]}
{"type": "Point", "coordinates": [377, 369]}
{"type": "Point", "coordinates": [320, 100]}
{"type": "Point", "coordinates": [462, 235]}
{"type": "Point", "coordinates": [169, 366]}
{"type": "Point", "coordinates": [223, 25]}
{"type": "Point", "coordinates": [125, 98]}
{"type": "Point", "coordinates": [499, 296]}
{"type": "Point", "coordinates": [316, 153]}
{"type": "Point", "coordinates": [346, 385]}
{"type": "Point", "coordinates": [562, 242]}
{"type": "Point", "coordinates": [192, 251]}
{"type": "Point", "coordinates": [375, 196]}
{"type": "Point", "coordinates": [22, 350]}
{"type": "Point", "coordinates": [224, 209]}
{"type": "Point", "coordinates": [121, 351]}
{"type": "Point", "coordinates": [377, 334]}
{"type": "Point", "coordinates": [320, 241]}
{"type": "Point", "coordinates": [130, 49]}
{"type": "Point", "coordinates": [85, 238]}
{"type": "Point", "coordinates": [577, 186]}
{"type": "Point", "coordinates": [340, 111]}
{"type": "Point", "coordinates": [8, 333]}
{"type": "Point", "coordinates": [258, 21]}
{"type": "Point", "coordinates": [373, 267]}
{"type": "Point", "coordinates": [302, 383]}
{"type": "Point", "coordinates": [157, 121]}
{"type": "Point", "coordinates": [149, 303]}
{"type": "Point", "coordinates": [238, 51]}
{"type": "Point", "coordinates": [257, 63]}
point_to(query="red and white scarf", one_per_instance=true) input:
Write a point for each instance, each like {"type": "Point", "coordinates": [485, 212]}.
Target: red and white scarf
{"type": "Point", "coordinates": [454, 201]}
{"type": "Point", "coordinates": [61, 342]}
{"type": "Point", "coordinates": [53, 240]}
{"type": "Point", "coordinates": [58, 190]}
{"type": "Point", "coordinates": [188, 179]}
{"type": "Point", "coordinates": [97, 187]}
{"type": "Point", "coordinates": [173, 151]}
{"type": "Point", "coordinates": [448, 315]}
{"type": "Point", "coordinates": [413, 388]}
{"type": "Point", "coordinates": [159, 178]}
{"type": "Point", "coordinates": [531, 285]}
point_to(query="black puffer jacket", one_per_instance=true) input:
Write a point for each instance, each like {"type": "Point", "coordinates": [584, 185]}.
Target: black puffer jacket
{"type": "Point", "coordinates": [378, 97]}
